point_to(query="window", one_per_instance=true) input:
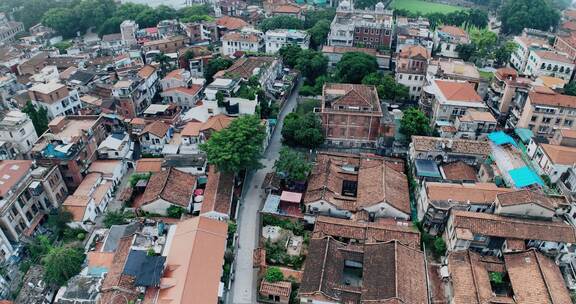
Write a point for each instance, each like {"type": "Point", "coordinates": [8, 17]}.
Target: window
{"type": "Point", "coordinates": [558, 120]}
{"type": "Point", "coordinates": [533, 118]}
{"type": "Point", "coordinates": [546, 120]}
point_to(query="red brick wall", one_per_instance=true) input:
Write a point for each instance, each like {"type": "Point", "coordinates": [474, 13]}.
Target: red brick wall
{"type": "Point", "coordinates": [351, 127]}
{"type": "Point", "coordinates": [375, 37]}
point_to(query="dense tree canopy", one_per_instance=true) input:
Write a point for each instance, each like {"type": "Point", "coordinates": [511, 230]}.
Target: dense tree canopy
{"type": "Point", "coordinates": [312, 17]}
{"type": "Point", "coordinates": [473, 17]}
{"type": "Point", "coordinates": [289, 54]}
{"type": "Point", "coordinates": [303, 130]}
{"type": "Point", "coordinates": [415, 122]}
{"type": "Point", "coordinates": [354, 66]}
{"type": "Point", "coordinates": [215, 65]}
{"type": "Point", "coordinates": [238, 147]}
{"type": "Point", "coordinates": [319, 33]}
{"type": "Point", "coordinates": [292, 164]}
{"type": "Point", "coordinates": [519, 14]}
{"type": "Point", "coordinates": [281, 22]}
{"type": "Point", "coordinates": [39, 117]}
{"type": "Point", "coordinates": [61, 264]}
{"type": "Point", "coordinates": [570, 89]}
{"type": "Point", "coordinates": [387, 87]}
{"type": "Point", "coordinates": [312, 64]}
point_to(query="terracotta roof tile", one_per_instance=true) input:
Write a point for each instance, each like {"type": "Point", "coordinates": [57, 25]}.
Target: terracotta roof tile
{"type": "Point", "coordinates": [560, 155]}
{"type": "Point", "coordinates": [522, 197]}
{"type": "Point", "coordinates": [550, 98]}
{"type": "Point", "coordinates": [193, 90]}
{"type": "Point", "coordinates": [146, 71]}
{"type": "Point", "coordinates": [478, 193]}
{"type": "Point", "coordinates": [157, 127]}
{"type": "Point", "coordinates": [231, 23]}
{"type": "Point", "coordinates": [506, 227]}
{"type": "Point", "coordinates": [453, 30]}
{"type": "Point", "coordinates": [149, 165]}
{"type": "Point", "coordinates": [243, 37]}
{"type": "Point", "coordinates": [282, 288]}
{"type": "Point", "coordinates": [554, 56]}
{"type": "Point", "coordinates": [458, 91]}
{"type": "Point", "coordinates": [218, 192]}
{"type": "Point", "coordinates": [463, 146]}
{"type": "Point", "coordinates": [244, 67]}
{"type": "Point", "coordinates": [352, 95]}
{"type": "Point", "coordinates": [217, 123]}
{"type": "Point", "coordinates": [172, 185]}
{"type": "Point", "coordinates": [414, 51]}
{"type": "Point", "coordinates": [460, 171]}
{"type": "Point", "coordinates": [191, 129]}
{"type": "Point", "coordinates": [288, 8]}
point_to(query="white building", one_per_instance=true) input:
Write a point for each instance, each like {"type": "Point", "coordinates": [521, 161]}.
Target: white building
{"type": "Point", "coordinates": [17, 128]}
{"type": "Point", "coordinates": [549, 63]}
{"type": "Point", "coordinates": [56, 98]}
{"type": "Point", "coordinates": [128, 29]}
{"type": "Point", "coordinates": [276, 39]}
{"type": "Point", "coordinates": [116, 146]}
{"type": "Point", "coordinates": [241, 41]}
{"type": "Point", "coordinates": [9, 29]}
{"type": "Point", "coordinates": [155, 136]}
{"type": "Point", "coordinates": [525, 45]}
{"type": "Point", "coordinates": [451, 99]}
{"type": "Point", "coordinates": [447, 38]}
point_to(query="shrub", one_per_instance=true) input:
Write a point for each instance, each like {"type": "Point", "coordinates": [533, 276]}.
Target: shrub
{"type": "Point", "coordinates": [439, 246]}
{"type": "Point", "coordinates": [273, 275]}
{"type": "Point", "coordinates": [81, 236]}
{"type": "Point", "coordinates": [175, 211]}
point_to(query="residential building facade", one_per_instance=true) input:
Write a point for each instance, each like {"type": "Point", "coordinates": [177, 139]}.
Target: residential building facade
{"type": "Point", "coordinates": [56, 98]}
{"type": "Point", "coordinates": [274, 40]}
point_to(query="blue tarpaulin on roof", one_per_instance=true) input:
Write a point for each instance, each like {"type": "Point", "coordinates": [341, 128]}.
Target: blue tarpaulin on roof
{"type": "Point", "coordinates": [524, 176]}
{"type": "Point", "coordinates": [500, 138]}
{"type": "Point", "coordinates": [146, 269]}
{"type": "Point", "coordinates": [524, 134]}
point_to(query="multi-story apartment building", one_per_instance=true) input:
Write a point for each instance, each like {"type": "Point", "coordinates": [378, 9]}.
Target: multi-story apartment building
{"type": "Point", "coordinates": [361, 28]}
{"type": "Point", "coordinates": [549, 63]}
{"type": "Point", "coordinates": [27, 193]}
{"type": "Point", "coordinates": [166, 45]}
{"type": "Point", "coordinates": [71, 143]}
{"type": "Point", "coordinates": [474, 125]}
{"type": "Point", "coordinates": [526, 44]}
{"type": "Point", "coordinates": [413, 31]}
{"type": "Point", "coordinates": [241, 42]}
{"type": "Point", "coordinates": [411, 66]}
{"type": "Point", "coordinates": [351, 114]}
{"type": "Point", "coordinates": [56, 98]}
{"type": "Point", "coordinates": [9, 87]}
{"type": "Point", "coordinates": [17, 128]}
{"type": "Point", "coordinates": [507, 92]}
{"type": "Point", "coordinates": [128, 29]}
{"type": "Point", "coordinates": [274, 40]}
{"type": "Point", "coordinates": [447, 38]}
{"type": "Point", "coordinates": [545, 111]}
{"type": "Point", "coordinates": [135, 93]}
{"type": "Point", "coordinates": [453, 69]}
{"type": "Point", "coordinates": [566, 43]}
{"type": "Point", "coordinates": [445, 100]}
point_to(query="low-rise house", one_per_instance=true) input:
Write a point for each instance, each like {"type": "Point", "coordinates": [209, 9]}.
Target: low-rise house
{"type": "Point", "coordinates": [413, 31]}
{"type": "Point", "coordinates": [166, 113]}
{"type": "Point", "coordinates": [197, 246]}
{"type": "Point", "coordinates": [274, 40]}
{"type": "Point", "coordinates": [56, 98]}
{"type": "Point", "coordinates": [437, 200]}
{"type": "Point", "coordinates": [288, 9]}
{"type": "Point", "coordinates": [372, 272]}
{"type": "Point", "coordinates": [154, 136]}
{"type": "Point", "coordinates": [411, 67]}
{"type": "Point", "coordinates": [166, 45]}
{"type": "Point", "coordinates": [277, 292]}
{"type": "Point", "coordinates": [218, 202]}
{"type": "Point", "coordinates": [184, 97]}
{"type": "Point", "coordinates": [71, 143]}
{"type": "Point", "coordinates": [89, 200]}
{"type": "Point", "coordinates": [241, 42]}
{"type": "Point", "coordinates": [551, 160]}
{"type": "Point", "coordinates": [116, 146]}
{"type": "Point", "coordinates": [111, 170]}
{"type": "Point", "coordinates": [527, 276]}
{"type": "Point", "coordinates": [168, 188]}
{"type": "Point", "coordinates": [135, 92]}
{"type": "Point", "coordinates": [17, 128]}
{"type": "Point", "coordinates": [549, 63]}
{"type": "Point", "coordinates": [351, 114]}
{"type": "Point", "coordinates": [472, 152]}
{"type": "Point", "coordinates": [453, 69]}
{"type": "Point", "coordinates": [474, 125]}
{"type": "Point", "coordinates": [112, 41]}
{"type": "Point", "coordinates": [494, 234]}
{"type": "Point", "coordinates": [347, 186]}
{"type": "Point", "coordinates": [445, 100]}
{"type": "Point", "coordinates": [447, 38]}
{"type": "Point", "coordinates": [265, 69]}
{"type": "Point", "coordinates": [507, 93]}
{"type": "Point", "coordinates": [530, 204]}
{"type": "Point", "coordinates": [381, 231]}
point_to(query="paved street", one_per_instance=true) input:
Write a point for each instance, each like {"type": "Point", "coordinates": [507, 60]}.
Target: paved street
{"type": "Point", "coordinates": [243, 289]}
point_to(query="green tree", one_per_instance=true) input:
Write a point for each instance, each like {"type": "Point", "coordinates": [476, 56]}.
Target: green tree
{"type": "Point", "coordinates": [415, 122]}
{"type": "Point", "coordinates": [503, 53]}
{"type": "Point", "coordinates": [354, 66]}
{"type": "Point", "coordinates": [312, 17]}
{"type": "Point", "coordinates": [194, 13]}
{"type": "Point", "coordinates": [303, 130]}
{"type": "Point", "coordinates": [62, 20]}
{"type": "Point", "coordinates": [115, 218]}
{"type": "Point", "coordinates": [164, 62]}
{"type": "Point", "coordinates": [387, 87]}
{"type": "Point", "coordinates": [289, 54]}
{"type": "Point", "coordinates": [129, 11]}
{"type": "Point", "coordinates": [477, 18]}
{"type": "Point", "coordinates": [273, 275]}
{"type": "Point", "coordinates": [238, 147]}
{"type": "Point", "coordinates": [38, 248]}
{"type": "Point", "coordinates": [110, 26]}
{"type": "Point", "coordinates": [220, 98]}
{"type": "Point", "coordinates": [59, 220]}
{"type": "Point", "coordinates": [281, 22]}
{"type": "Point", "coordinates": [175, 211]}
{"type": "Point", "coordinates": [466, 51]}
{"type": "Point", "coordinates": [39, 117]}
{"type": "Point", "coordinates": [93, 13]}
{"type": "Point", "coordinates": [312, 64]}
{"type": "Point", "coordinates": [292, 164]}
{"type": "Point", "coordinates": [61, 264]}
{"type": "Point", "coordinates": [519, 14]}
{"type": "Point", "coordinates": [570, 88]}
{"type": "Point", "coordinates": [484, 40]}
{"type": "Point", "coordinates": [215, 65]}
{"type": "Point", "coordinates": [439, 246]}
{"type": "Point", "coordinates": [319, 33]}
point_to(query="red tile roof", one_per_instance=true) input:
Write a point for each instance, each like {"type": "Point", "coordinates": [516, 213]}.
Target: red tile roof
{"type": "Point", "coordinates": [192, 90]}
{"type": "Point", "coordinates": [172, 185]}
{"type": "Point", "coordinates": [146, 71]}
{"type": "Point", "coordinates": [149, 165]}
{"type": "Point", "coordinates": [550, 98]}
{"type": "Point", "coordinates": [458, 91]}
{"type": "Point", "coordinates": [231, 23]}
{"type": "Point", "coordinates": [218, 192]}
{"type": "Point", "coordinates": [157, 127]}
